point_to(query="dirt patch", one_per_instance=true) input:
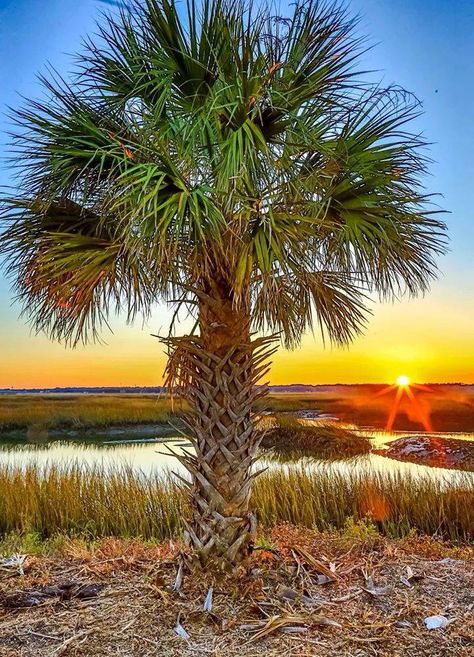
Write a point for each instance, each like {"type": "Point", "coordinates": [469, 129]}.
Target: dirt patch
{"type": "Point", "coordinates": [307, 594]}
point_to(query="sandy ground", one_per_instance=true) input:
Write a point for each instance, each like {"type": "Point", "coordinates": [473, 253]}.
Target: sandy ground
{"type": "Point", "coordinates": [310, 594]}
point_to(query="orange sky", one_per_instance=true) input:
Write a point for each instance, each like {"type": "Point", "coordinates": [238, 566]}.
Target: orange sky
{"type": "Point", "coordinates": [430, 339]}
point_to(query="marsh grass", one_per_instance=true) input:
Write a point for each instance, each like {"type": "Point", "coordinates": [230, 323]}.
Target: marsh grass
{"type": "Point", "coordinates": [395, 503]}
{"type": "Point", "coordinates": [36, 412]}
{"type": "Point", "coordinates": [89, 501]}
{"type": "Point", "coordinates": [452, 408]}
{"type": "Point", "coordinates": [93, 502]}
{"type": "Point", "coordinates": [84, 411]}
{"type": "Point", "coordinates": [321, 440]}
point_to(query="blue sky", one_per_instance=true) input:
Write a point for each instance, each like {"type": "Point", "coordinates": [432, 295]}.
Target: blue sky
{"type": "Point", "coordinates": [425, 46]}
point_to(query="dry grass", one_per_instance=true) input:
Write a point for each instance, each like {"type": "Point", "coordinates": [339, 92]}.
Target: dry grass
{"type": "Point", "coordinates": [82, 411]}
{"type": "Point", "coordinates": [450, 407]}
{"type": "Point", "coordinates": [93, 502]}
{"type": "Point", "coordinates": [137, 610]}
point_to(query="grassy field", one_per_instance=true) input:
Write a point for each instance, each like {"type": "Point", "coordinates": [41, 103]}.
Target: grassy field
{"type": "Point", "coordinates": [450, 408]}
{"type": "Point", "coordinates": [94, 503]}
{"type": "Point", "coordinates": [83, 411]}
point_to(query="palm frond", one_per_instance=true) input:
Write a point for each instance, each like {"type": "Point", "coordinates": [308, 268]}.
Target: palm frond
{"type": "Point", "coordinates": [216, 139]}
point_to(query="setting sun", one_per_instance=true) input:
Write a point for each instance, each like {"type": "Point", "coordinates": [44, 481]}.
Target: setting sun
{"type": "Point", "coordinates": [403, 380]}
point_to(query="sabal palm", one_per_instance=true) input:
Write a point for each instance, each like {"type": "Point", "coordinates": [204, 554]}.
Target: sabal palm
{"type": "Point", "coordinates": [236, 163]}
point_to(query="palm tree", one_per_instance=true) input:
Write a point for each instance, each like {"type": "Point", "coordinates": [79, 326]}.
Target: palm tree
{"type": "Point", "coordinates": [235, 164]}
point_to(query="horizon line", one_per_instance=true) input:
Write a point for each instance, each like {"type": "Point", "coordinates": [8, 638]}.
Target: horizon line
{"type": "Point", "coordinates": [162, 388]}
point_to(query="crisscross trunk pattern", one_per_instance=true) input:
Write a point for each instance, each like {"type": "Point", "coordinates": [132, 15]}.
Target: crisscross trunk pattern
{"type": "Point", "coordinates": [220, 385]}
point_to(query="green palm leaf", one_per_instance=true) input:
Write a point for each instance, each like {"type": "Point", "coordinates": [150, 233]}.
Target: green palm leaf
{"type": "Point", "coordinates": [219, 141]}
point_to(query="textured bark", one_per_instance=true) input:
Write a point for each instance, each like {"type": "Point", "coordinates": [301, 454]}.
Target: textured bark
{"type": "Point", "coordinates": [217, 372]}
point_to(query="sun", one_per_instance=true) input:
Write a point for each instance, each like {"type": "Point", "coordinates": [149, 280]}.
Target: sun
{"type": "Point", "coordinates": [403, 381]}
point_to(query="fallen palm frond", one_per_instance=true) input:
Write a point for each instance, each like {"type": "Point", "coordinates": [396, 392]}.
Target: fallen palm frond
{"type": "Point", "coordinates": [288, 622]}
{"type": "Point", "coordinates": [70, 597]}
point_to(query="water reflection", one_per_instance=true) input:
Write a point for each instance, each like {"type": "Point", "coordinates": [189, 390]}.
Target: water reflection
{"type": "Point", "coordinates": [144, 457]}
{"type": "Point", "coordinates": [366, 463]}
{"type": "Point", "coordinates": [382, 438]}
{"type": "Point", "coordinates": [148, 457]}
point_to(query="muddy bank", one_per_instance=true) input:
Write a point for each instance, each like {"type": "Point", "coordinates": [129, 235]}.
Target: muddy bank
{"type": "Point", "coordinates": [432, 450]}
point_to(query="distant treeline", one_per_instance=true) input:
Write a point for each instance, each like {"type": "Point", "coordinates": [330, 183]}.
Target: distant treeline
{"type": "Point", "coordinates": [117, 390]}
{"type": "Point", "coordinates": [114, 390]}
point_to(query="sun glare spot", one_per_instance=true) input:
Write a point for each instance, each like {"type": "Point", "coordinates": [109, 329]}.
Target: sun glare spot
{"type": "Point", "coordinates": [403, 381]}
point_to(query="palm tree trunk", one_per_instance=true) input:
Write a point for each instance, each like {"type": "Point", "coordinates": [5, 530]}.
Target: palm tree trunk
{"type": "Point", "coordinates": [218, 372]}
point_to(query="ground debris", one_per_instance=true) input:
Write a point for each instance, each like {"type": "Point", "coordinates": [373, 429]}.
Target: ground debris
{"type": "Point", "coordinates": [288, 622]}
{"type": "Point", "coordinates": [14, 564]}
{"type": "Point", "coordinates": [371, 588]}
{"type": "Point", "coordinates": [436, 622]}
{"type": "Point", "coordinates": [277, 608]}
{"type": "Point", "coordinates": [180, 631]}
{"type": "Point", "coordinates": [44, 594]}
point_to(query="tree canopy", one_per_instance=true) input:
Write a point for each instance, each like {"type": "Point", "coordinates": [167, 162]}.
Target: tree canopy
{"type": "Point", "coordinates": [214, 138]}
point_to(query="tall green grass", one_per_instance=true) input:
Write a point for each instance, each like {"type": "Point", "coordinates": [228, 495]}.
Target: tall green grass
{"type": "Point", "coordinates": [92, 502]}
{"type": "Point", "coordinates": [396, 503]}
{"type": "Point", "coordinates": [89, 501]}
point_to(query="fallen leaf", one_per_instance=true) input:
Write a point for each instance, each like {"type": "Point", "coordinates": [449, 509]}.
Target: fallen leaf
{"type": "Point", "coordinates": [324, 579]}
{"type": "Point", "coordinates": [273, 624]}
{"type": "Point", "coordinates": [208, 601]}
{"type": "Point", "coordinates": [410, 578]}
{"type": "Point", "coordinates": [371, 588]}
{"type": "Point", "coordinates": [317, 565]}
{"type": "Point", "coordinates": [322, 620]}
{"type": "Point", "coordinates": [287, 593]}
{"type": "Point", "coordinates": [293, 629]}
{"type": "Point", "coordinates": [16, 561]}
{"type": "Point", "coordinates": [403, 624]}
{"type": "Point", "coordinates": [179, 578]}
{"type": "Point", "coordinates": [180, 631]}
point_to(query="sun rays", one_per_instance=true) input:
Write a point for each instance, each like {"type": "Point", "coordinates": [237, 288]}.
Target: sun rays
{"type": "Point", "coordinates": [404, 388]}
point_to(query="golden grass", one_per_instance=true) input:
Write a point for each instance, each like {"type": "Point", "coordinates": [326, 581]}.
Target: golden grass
{"type": "Point", "coordinates": [82, 411]}
{"type": "Point", "coordinates": [88, 502]}
{"type": "Point", "coordinates": [77, 411]}
{"type": "Point", "coordinates": [396, 504]}
{"type": "Point", "coordinates": [92, 502]}
{"type": "Point", "coordinates": [451, 408]}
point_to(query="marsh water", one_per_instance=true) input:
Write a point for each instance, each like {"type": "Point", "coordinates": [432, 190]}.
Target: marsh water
{"type": "Point", "coordinates": [147, 450]}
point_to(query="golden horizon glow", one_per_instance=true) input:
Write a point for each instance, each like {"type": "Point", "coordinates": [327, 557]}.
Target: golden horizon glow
{"type": "Point", "coordinates": [429, 338]}
{"type": "Point", "coordinates": [403, 381]}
